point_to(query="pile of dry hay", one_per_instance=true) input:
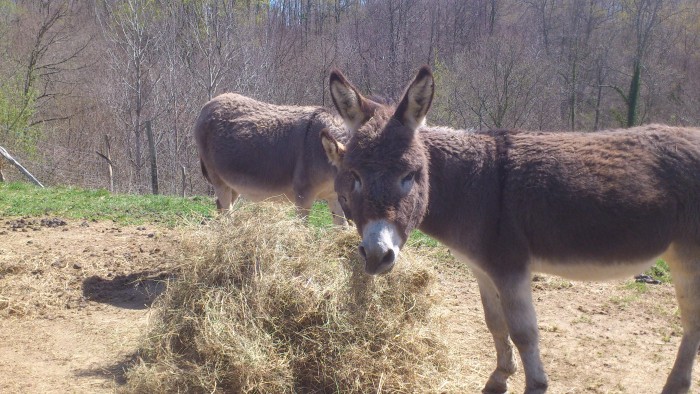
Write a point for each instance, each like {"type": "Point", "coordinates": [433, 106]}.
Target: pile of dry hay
{"type": "Point", "coordinates": [268, 304]}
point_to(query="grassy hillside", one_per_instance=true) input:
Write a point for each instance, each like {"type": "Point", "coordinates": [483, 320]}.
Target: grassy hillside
{"type": "Point", "coordinates": [23, 199]}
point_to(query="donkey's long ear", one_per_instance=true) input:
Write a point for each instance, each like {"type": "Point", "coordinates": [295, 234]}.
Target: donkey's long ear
{"type": "Point", "coordinates": [335, 151]}
{"type": "Point", "coordinates": [351, 105]}
{"type": "Point", "coordinates": [416, 101]}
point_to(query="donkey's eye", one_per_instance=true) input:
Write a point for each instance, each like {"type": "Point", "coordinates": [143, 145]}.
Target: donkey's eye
{"type": "Point", "coordinates": [343, 199]}
{"type": "Point", "coordinates": [407, 181]}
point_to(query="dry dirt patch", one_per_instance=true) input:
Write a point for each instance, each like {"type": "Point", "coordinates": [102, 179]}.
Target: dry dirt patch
{"type": "Point", "coordinates": [74, 298]}
{"type": "Point", "coordinates": [74, 303]}
{"type": "Point", "coordinates": [599, 338]}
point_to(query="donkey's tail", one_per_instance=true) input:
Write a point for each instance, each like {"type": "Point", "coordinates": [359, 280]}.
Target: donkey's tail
{"type": "Point", "coordinates": [204, 170]}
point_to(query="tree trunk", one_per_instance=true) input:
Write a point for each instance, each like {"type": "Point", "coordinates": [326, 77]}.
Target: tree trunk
{"type": "Point", "coordinates": [572, 95]}
{"type": "Point", "coordinates": [154, 164]}
{"type": "Point", "coordinates": [184, 180]}
{"type": "Point", "coordinates": [597, 107]}
{"type": "Point", "coordinates": [633, 96]}
{"type": "Point", "coordinates": [492, 16]}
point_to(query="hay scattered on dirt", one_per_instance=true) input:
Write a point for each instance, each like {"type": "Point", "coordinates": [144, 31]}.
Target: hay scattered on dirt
{"type": "Point", "coordinates": [267, 304]}
{"type": "Point", "coordinates": [52, 267]}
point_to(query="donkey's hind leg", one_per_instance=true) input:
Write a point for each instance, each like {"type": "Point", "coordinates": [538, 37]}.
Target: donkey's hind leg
{"type": "Point", "coordinates": [225, 196]}
{"type": "Point", "coordinates": [496, 323]}
{"type": "Point", "coordinates": [684, 261]}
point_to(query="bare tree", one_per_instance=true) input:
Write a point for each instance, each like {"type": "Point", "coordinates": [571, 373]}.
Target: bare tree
{"type": "Point", "coordinates": [129, 26]}
{"type": "Point", "coordinates": [209, 44]}
{"type": "Point", "coordinates": [544, 64]}
{"type": "Point", "coordinates": [542, 10]}
{"type": "Point", "coordinates": [644, 18]}
{"type": "Point", "coordinates": [508, 83]}
{"type": "Point", "coordinates": [52, 50]}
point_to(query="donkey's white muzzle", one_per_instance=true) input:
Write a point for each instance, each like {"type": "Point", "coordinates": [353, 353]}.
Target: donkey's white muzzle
{"type": "Point", "coordinates": [380, 246]}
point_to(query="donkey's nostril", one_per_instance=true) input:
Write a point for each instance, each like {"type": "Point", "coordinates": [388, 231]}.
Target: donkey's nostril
{"type": "Point", "coordinates": [388, 257]}
{"type": "Point", "coordinates": [362, 251]}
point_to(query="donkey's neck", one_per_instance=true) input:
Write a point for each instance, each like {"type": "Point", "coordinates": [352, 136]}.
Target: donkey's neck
{"type": "Point", "coordinates": [464, 186]}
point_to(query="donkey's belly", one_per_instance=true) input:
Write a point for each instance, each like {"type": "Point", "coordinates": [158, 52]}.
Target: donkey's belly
{"type": "Point", "coordinates": [582, 270]}
{"type": "Point", "coordinates": [261, 189]}
{"type": "Point", "coordinates": [257, 194]}
{"type": "Point", "coordinates": [578, 270]}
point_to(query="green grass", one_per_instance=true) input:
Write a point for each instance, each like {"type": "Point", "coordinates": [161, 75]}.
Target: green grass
{"type": "Point", "coordinates": [639, 287]}
{"type": "Point", "coordinates": [23, 199]}
{"type": "Point", "coordinates": [420, 240]}
{"type": "Point", "coordinates": [320, 215]}
{"type": "Point", "coordinates": [660, 271]}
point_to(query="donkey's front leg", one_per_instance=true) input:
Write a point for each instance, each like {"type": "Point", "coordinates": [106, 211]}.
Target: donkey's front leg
{"type": "Point", "coordinates": [519, 312]}
{"type": "Point", "coordinates": [303, 207]}
{"type": "Point", "coordinates": [496, 323]}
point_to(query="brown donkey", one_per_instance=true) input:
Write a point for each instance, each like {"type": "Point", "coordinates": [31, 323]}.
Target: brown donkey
{"type": "Point", "coordinates": [265, 151]}
{"type": "Point", "coordinates": [584, 206]}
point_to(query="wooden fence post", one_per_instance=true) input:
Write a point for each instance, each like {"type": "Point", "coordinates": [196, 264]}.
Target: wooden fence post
{"type": "Point", "coordinates": [108, 159]}
{"type": "Point", "coordinates": [23, 170]}
{"type": "Point", "coordinates": [184, 180]}
{"type": "Point", "coordinates": [154, 165]}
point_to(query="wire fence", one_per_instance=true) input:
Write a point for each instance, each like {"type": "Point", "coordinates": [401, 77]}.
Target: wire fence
{"type": "Point", "coordinates": [64, 166]}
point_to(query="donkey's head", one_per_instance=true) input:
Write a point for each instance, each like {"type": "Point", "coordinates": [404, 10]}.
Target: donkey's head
{"type": "Point", "coordinates": [382, 180]}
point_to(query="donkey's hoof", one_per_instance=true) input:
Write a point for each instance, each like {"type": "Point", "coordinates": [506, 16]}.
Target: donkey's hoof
{"type": "Point", "coordinates": [539, 388]}
{"type": "Point", "coordinates": [677, 387]}
{"type": "Point", "coordinates": [489, 391]}
{"type": "Point", "coordinates": [495, 388]}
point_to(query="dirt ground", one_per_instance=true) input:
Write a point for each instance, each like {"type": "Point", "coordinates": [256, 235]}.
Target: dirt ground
{"type": "Point", "coordinates": [75, 297]}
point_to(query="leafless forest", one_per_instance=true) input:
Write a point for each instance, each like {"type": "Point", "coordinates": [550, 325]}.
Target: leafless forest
{"type": "Point", "coordinates": [74, 74]}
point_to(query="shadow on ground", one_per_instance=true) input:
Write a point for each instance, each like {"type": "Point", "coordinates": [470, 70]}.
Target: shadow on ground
{"type": "Point", "coordinates": [115, 373]}
{"type": "Point", "coordinates": [133, 291]}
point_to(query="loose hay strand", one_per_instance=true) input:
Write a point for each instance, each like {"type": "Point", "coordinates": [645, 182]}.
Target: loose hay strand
{"type": "Point", "coordinates": [267, 304]}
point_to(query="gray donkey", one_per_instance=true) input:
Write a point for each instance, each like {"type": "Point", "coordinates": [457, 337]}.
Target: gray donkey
{"type": "Point", "coordinates": [590, 206]}
{"type": "Point", "coordinates": [263, 151]}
